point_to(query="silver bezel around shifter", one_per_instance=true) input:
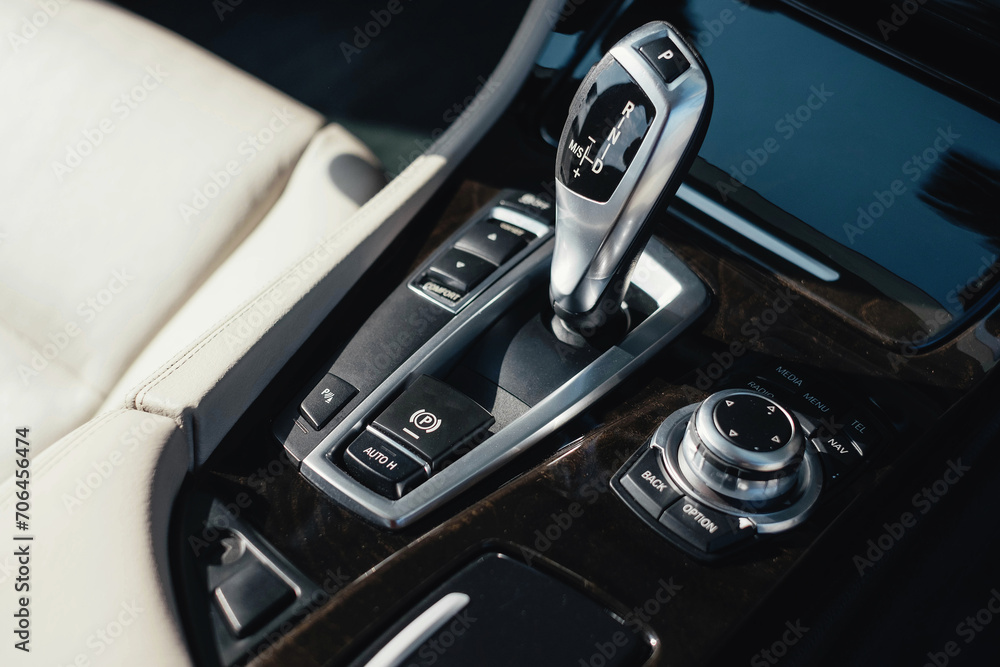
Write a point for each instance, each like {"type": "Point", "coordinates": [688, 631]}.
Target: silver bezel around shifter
{"type": "Point", "coordinates": [680, 297]}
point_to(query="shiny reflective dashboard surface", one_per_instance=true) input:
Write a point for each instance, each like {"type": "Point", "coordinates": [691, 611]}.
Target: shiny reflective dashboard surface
{"type": "Point", "coordinates": [880, 176]}
{"type": "Point", "coordinates": [880, 164]}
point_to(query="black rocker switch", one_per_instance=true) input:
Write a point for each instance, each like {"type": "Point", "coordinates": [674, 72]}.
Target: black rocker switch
{"type": "Point", "coordinates": [434, 420]}
{"type": "Point", "coordinates": [460, 270]}
{"type": "Point", "coordinates": [325, 400]}
{"type": "Point", "coordinates": [492, 242]}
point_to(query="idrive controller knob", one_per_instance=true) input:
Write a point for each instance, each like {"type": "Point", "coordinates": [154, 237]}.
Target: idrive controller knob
{"type": "Point", "coordinates": [743, 446]}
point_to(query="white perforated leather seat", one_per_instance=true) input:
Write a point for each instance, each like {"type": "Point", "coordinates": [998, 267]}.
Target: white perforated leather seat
{"type": "Point", "coordinates": [136, 169]}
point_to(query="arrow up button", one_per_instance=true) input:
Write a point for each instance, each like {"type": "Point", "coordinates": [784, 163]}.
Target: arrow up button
{"type": "Point", "coordinates": [460, 270]}
{"type": "Point", "coordinates": [494, 243]}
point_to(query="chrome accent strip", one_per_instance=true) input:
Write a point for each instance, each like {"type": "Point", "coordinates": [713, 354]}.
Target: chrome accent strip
{"type": "Point", "coordinates": [419, 630]}
{"type": "Point", "coordinates": [752, 232]}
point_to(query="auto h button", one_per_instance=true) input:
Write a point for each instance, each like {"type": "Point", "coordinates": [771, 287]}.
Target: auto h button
{"type": "Point", "coordinates": [382, 466]}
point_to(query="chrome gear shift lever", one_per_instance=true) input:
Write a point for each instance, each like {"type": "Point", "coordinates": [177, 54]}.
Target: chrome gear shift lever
{"type": "Point", "coordinates": [634, 128]}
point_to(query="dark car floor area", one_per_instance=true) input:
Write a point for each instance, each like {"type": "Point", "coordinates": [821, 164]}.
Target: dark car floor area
{"type": "Point", "coordinates": [394, 72]}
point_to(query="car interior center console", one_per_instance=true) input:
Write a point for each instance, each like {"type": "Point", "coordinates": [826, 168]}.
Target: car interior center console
{"type": "Point", "coordinates": [660, 387]}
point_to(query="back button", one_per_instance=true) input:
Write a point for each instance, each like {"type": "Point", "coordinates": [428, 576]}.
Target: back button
{"type": "Point", "coordinates": [647, 483]}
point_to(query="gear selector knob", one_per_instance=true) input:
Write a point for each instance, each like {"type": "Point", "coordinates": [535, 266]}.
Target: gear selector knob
{"type": "Point", "coordinates": [634, 127]}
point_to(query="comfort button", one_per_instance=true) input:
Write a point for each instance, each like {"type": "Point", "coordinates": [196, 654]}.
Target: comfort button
{"type": "Point", "coordinates": [705, 528]}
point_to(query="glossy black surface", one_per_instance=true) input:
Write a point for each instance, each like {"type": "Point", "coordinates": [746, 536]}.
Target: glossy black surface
{"type": "Point", "coordinates": [604, 135]}
{"type": "Point", "coordinates": [841, 151]}
{"type": "Point", "coordinates": [846, 145]}
{"type": "Point", "coordinates": [517, 615]}
{"type": "Point", "coordinates": [753, 423]}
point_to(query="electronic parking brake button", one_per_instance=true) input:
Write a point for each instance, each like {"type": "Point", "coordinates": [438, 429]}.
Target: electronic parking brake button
{"type": "Point", "coordinates": [434, 420]}
{"type": "Point", "coordinates": [705, 528]}
{"type": "Point", "coordinates": [382, 466]}
{"type": "Point", "coordinates": [647, 483]}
